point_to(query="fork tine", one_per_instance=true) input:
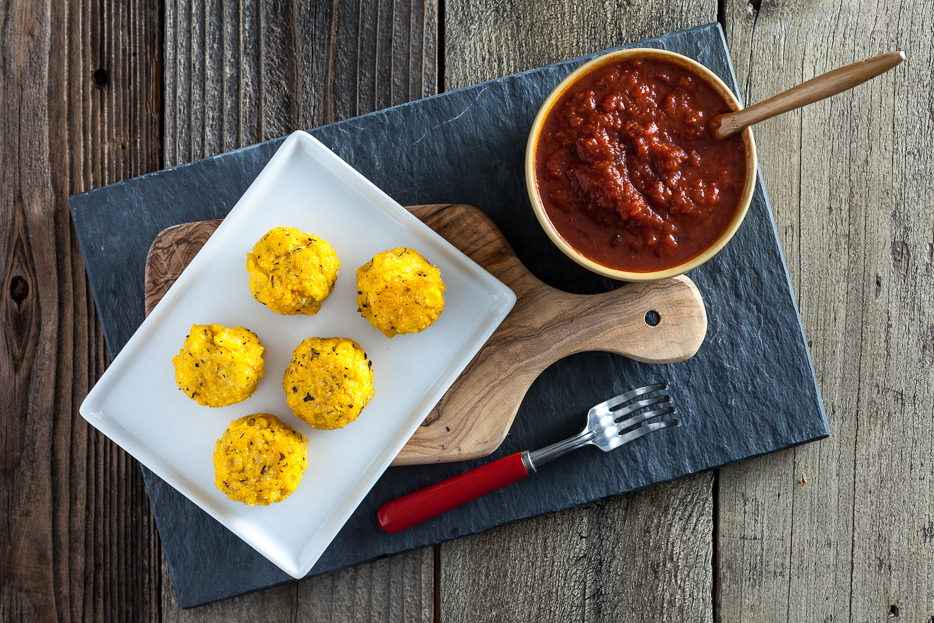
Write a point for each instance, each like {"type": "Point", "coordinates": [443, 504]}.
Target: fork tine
{"type": "Point", "coordinates": [642, 431]}
{"type": "Point", "coordinates": [639, 404]}
{"type": "Point", "coordinates": [645, 415]}
{"type": "Point", "coordinates": [617, 400]}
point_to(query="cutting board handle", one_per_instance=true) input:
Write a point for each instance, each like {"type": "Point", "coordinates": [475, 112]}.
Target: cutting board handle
{"type": "Point", "coordinates": [655, 322]}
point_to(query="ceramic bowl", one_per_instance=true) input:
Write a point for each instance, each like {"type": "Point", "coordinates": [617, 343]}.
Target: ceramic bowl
{"type": "Point", "coordinates": [532, 184]}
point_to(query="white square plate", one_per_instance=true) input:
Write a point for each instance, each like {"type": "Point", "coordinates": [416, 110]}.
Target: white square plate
{"type": "Point", "coordinates": [138, 405]}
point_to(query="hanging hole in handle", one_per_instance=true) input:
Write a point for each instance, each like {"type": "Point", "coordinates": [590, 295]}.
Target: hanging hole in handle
{"type": "Point", "coordinates": [652, 318]}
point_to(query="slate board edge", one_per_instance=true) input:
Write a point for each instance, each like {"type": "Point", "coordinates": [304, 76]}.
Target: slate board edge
{"type": "Point", "coordinates": [781, 253]}
{"type": "Point", "coordinates": [794, 298]}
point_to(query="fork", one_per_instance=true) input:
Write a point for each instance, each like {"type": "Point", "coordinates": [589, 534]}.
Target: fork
{"type": "Point", "coordinates": [606, 428]}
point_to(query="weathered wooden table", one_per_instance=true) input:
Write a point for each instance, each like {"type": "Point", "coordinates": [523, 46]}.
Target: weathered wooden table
{"type": "Point", "coordinates": [92, 92]}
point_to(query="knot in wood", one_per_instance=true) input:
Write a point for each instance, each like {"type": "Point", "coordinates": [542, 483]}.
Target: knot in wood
{"type": "Point", "coordinates": [19, 288]}
{"type": "Point", "coordinates": [100, 78]}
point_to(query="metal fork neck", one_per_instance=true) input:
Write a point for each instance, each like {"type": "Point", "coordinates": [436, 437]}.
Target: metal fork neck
{"type": "Point", "coordinates": [533, 460]}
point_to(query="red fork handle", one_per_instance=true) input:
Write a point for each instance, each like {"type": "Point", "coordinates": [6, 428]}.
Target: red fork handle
{"type": "Point", "coordinates": [441, 497]}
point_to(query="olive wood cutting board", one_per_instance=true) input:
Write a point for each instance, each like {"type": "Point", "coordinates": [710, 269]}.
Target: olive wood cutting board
{"type": "Point", "coordinates": [659, 322]}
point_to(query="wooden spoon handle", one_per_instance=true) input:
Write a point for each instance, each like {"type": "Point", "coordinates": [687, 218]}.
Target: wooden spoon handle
{"type": "Point", "coordinates": [813, 90]}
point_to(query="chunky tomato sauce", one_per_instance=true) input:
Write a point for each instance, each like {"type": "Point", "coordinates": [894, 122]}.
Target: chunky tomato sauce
{"type": "Point", "coordinates": [629, 174]}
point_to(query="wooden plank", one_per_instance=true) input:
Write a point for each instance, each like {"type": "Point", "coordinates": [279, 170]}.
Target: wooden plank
{"type": "Point", "coordinates": [399, 588]}
{"type": "Point", "coordinates": [486, 39]}
{"type": "Point", "coordinates": [238, 72]}
{"type": "Point", "coordinates": [80, 108]}
{"type": "Point", "coordinates": [641, 556]}
{"type": "Point", "coordinates": [842, 530]}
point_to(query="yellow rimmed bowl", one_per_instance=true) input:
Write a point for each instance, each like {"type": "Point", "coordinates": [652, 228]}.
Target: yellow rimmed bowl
{"type": "Point", "coordinates": [531, 155]}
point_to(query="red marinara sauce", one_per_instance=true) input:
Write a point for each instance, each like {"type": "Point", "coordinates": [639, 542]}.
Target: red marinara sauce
{"type": "Point", "coordinates": [628, 172]}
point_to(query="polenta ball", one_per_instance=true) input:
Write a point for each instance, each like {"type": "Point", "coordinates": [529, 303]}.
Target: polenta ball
{"type": "Point", "coordinates": [398, 291]}
{"type": "Point", "coordinates": [329, 381]}
{"type": "Point", "coordinates": [292, 272]}
{"type": "Point", "coordinates": [218, 366]}
{"type": "Point", "coordinates": [259, 460]}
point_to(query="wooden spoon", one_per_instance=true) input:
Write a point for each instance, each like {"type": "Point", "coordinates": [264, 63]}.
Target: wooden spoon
{"type": "Point", "coordinates": [813, 90]}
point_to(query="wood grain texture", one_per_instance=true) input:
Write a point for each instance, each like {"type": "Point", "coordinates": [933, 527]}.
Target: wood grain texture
{"type": "Point", "coordinates": [79, 107]}
{"type": "Point", "coordinates": [562, 563]}
{"type": "Point", "coordinates": [644, 556]}
{"type": "Point", "coordinates": [400, 588]}
{"type": "Point", "coordinates": [239, 72]}
{"type": "Point", "coordinates": [486, 39]}
{"type": "Point", "coordinates": [841, 530]}
{"type": "Point", "coordinates": [473, 417]}
{"type": "Point", "coordinates": [170, 253]}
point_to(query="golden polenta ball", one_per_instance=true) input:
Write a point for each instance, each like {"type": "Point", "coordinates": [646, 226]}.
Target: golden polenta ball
{"type": "Point", "coordinates": [218, 366]}
{"type": "Point", "coordinates": [259, 460]}
{"type": "Point", "coordinates": [329, 381]}
{"type": "Point", "coordinates": [292, 272]}
{"type": "Point", "coordinates": [398, 291]}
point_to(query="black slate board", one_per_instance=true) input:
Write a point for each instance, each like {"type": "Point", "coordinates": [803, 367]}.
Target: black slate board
{"type": "Point", "coordinates": [750, 390]}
